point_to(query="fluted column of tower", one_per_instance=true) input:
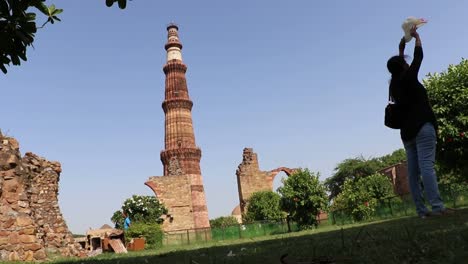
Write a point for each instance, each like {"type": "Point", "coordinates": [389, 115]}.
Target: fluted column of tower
{"type": "Point", "coordinates": [180, 147]}
{"type": "Point", "coordinates": [181, 155]}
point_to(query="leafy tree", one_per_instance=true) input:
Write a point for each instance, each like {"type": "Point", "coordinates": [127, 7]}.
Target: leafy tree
{"type": "Point", "coordinates": [350, 169]}
{"type": "Point", "coordinates": [18, 28]}
{"type": "Point", "coordinates": [263, 205]}
{"type": "Point", "coordinates": [360, 197]}
{"type": "Point", "coordinates": [144, 209]}
{"type": "Point", "coordinates": [448, 95]}
{"type": "Point", "coordinates": [223, 221]}
{"type": "Point", "coordinates": [303, 197]}
{"type": "Point", "coordinates": [396, 157]}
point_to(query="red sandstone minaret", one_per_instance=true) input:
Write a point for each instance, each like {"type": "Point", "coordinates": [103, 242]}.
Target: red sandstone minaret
{"type": "Point", "coordinates": [177, 106]}
{"type": "Point", "coordinates": [181, 188]}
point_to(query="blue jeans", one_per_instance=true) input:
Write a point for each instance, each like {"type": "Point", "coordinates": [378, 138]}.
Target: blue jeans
{"type": "Point", "coordinates": [420, 154]}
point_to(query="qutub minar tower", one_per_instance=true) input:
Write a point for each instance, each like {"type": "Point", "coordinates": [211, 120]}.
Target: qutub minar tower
{"type": "Point", "coordinates": [181, 188]}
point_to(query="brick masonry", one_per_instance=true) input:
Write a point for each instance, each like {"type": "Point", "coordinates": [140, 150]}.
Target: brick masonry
{"type": "Point", "coordinates": [31, 224]}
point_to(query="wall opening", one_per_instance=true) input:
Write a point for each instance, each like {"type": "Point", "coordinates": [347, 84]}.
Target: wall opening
{"type": "Point", "coordinates": [277, 181]}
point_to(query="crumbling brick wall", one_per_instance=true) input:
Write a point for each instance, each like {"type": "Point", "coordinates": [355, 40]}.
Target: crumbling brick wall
{"type": "Point", "coordinates": [31, 224]}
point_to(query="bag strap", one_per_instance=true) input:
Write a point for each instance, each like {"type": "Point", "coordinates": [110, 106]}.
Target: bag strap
{"type": "Point", "coordinates": [390, 97]}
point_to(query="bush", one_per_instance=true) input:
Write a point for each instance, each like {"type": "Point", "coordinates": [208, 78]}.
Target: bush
{"type": "Point", "coordinates": [264, 205]}
{"type": "Point", "coordinates": [152, 233]}
{"type": "Point", "coordinates": [303, 196]}
{"type": "Point", "coordinates": [359, 198]}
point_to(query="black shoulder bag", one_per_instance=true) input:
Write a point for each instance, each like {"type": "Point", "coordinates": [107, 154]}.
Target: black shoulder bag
{"type": "Point", "coordinates": [394, 112]}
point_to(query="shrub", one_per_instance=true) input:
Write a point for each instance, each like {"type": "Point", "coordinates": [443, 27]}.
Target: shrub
{"type": "Point", "coordinates": [223, 221]}
{"type": "Point", "coordinates": [152, 233]}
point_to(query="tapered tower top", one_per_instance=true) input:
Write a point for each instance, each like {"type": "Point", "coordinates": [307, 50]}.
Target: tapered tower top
{"type": "Point", "coordinates": [173, 45]}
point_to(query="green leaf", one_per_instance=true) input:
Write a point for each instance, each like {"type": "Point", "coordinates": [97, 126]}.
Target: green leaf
{"type": "Point", "coordinates": [15, 60]}
{"type": "Point", "coordinates": [57, 11]}
{"type": "Point", "coordinates": [122, 4]}
{"type": "Point", "coordinates": [42, 7]}
{"type": "Point", "coordinates": [3, 68]}
{"type": "Point", "coordinates": [31, 16]}
{"type": "Point", "coordinates": [109, 3]}
{"type": "Point", "coordinates": [51, 9]}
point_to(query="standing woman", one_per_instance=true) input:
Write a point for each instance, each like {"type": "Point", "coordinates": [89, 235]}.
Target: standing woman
{"type": "Point", "coordinates": [418, 131]}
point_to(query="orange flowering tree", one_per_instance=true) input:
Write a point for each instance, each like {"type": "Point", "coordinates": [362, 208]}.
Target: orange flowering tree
{"type": "Point", "coordinates": [448, 95]}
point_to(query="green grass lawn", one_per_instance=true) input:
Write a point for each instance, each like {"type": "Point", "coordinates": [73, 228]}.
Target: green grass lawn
{"type": "Point", "coordinates": [405, 240]}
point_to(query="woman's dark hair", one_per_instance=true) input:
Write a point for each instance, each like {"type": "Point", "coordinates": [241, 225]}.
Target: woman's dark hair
{"type": "Point", "coordinates": [396, 65]}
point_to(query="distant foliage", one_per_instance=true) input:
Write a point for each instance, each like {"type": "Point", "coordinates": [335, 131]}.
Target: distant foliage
{"type": "Point", "coordinates": [303, 197]}
{"type": "Point", "coordinates": [359, 167]}
{"type": "Point", "coordinates": [223, 221]}
{"type": "Point", "coordinates": [359, 198]}
{"type": "Point", "coordinates": [396, 157]}
{"type": "Point", "coordinates": [264, 205]}
{"type": "Point", "coordinates": [448, 95]}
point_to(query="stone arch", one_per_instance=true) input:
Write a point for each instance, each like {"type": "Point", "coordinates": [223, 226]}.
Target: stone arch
{"type": "Point", "coordinates": [273, 173]}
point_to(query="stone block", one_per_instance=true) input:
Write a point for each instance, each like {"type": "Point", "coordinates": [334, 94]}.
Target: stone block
{"type": "Point", "coordinates": [7, 175]}
{"type": "Point", "coordinates": [13, 144]}
{"type": "Point", "coordinates": [24, 220]}
{"type": "Point", "coordinates": [28, 231]}
{"type": "Point", "coordinates": [28, 256]}
{"type": "Point", "coordinates": [27, 239]}
{"type": "Point", "coordinates": [4, 240]}
{"type": "Point", "coordinates": [13, 256]}
{"type": "Point", "coordinates": [14, 238]}
{"type": "Point", "coordinates": [8, 161]}
{"type": "Point", "coordinates": [9, 223]}
{"type": "Point", "coordinates": [40, 254]}
{"type": "Point", "coordinates": [33, 246]}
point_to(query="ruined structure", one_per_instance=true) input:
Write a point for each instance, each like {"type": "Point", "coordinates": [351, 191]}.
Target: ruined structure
{"type": "Point", "coordinates": [181, 188]}
{"type": "Point", "coordinates": [251, 179]}
{"type": "Point", "coordinates": [31, 224]}
{"type": "Point", "coordinates": [398, 174]}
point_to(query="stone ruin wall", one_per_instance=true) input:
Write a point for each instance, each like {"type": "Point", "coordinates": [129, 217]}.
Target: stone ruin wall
{"type": "Point", "coordinates": [32, 227]}
{"type": "Point", "coordinates": [251, 179]}
{"type": "Point", "coordinates": [398, 174]}
{"type": "Point", "coordinates": [174, 193]}
{"type": "Point", "coordinates": [184, 197]}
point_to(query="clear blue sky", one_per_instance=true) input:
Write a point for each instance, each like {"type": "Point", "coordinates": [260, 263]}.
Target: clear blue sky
{"type": "Point", "coordinates": [304, 83]}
